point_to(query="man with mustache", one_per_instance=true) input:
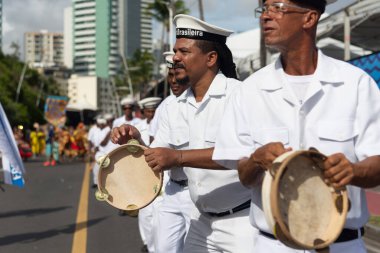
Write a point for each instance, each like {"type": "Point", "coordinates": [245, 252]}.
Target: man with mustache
{"type": "Point", "coordinates": [187, 134]}
{"type": "Point", "coordinates": [172, 215]}
{"type": "Point", "coordinates": [304, 99]}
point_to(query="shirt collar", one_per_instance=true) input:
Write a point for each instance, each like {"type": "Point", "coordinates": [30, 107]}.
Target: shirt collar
{"type": "Point", "coordinates": [326, 72]}
{"type": "Point", "coordinates": [217, 88]}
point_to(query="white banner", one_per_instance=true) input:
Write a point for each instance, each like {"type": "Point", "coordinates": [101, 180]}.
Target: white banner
{"type": "Point", "coordinates": [12, 162]}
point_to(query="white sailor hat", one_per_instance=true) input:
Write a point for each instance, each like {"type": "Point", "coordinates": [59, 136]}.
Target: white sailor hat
{"type": "Point", "coordinates": [101, 121]}
{"type": "Point", "coordinates": [193, 28]}
{"type": "Point", "coordinates": [151, 102]}
{"type": "Point", "coordinates": [169, 59]}
{"type": "Point", "coordinates": [108, 116]}
{"type": "Point", "coordinates": [127, 101]}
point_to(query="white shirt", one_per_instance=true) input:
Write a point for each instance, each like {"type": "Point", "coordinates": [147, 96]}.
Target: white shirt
{"type": "Point", "coordinates": [190, 125]}
{"type": "Point", "coordinates": [103, 150]}
{"type": "Point", "coordinates": [143, 128]}
{"type": "Point", "coordinates": [153, 126]}
{"type": "Point", "coordinates": [340, 114]}
{"type": "Point", "coordinates": [122, 120]}
{"type": "Point", "coordinates": [100, 135]}
{"type": "Point", "coordinates": [92, 133]}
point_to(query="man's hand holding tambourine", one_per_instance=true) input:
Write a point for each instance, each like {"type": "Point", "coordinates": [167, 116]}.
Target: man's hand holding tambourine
{"type": "Point", "coordinates": [124, 133]}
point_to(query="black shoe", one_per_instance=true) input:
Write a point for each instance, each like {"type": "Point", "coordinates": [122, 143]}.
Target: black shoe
{"type": "Point", "coordinates": [94, 186]}
{"type": "Point", "coordinates": [144, 248]}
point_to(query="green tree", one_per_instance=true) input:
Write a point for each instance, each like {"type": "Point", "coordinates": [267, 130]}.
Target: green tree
{"type": "Point", "coordinates": [159, 11]}
{"type": "Point", "coordinates": [25, 111]}
{"type": "Point", "coordinates": [141, 70]}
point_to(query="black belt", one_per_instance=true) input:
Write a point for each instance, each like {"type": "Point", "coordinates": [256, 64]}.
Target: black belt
{"type": "Point", "coordinates": [182, 183]}
{"type": "Point", "coordinates": [243, 206]}
{"type": "Point", "coordinates": [345, 236]}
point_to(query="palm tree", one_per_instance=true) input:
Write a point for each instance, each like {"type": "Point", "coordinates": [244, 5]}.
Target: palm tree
{"type": "Point", "coordinates": [142, 65]}
{"type": "Point", "coordinates": [159, 10]}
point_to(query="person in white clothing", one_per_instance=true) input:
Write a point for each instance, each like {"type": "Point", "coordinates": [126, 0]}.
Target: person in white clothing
{"type": "Point", "coordinates": [128, 105]}
{"type": "Point", "coordinates": [175, 88]}
{"type": "Point", "coordinates": [304, 99]}
{"type": "Point", "coordinates": [97, 138]}
{"type": "Point", "coordinates": [146, 215]}
{"type": "Point", "coordinates": [173, 215]}
{"type": "Point", "coordinates": [186, 137]}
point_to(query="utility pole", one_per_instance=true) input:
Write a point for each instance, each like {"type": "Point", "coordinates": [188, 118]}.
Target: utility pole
{"type": "Point", "coordinates": [201, 14]}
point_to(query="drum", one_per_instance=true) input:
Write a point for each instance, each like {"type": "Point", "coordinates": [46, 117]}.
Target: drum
{"type": "Point", "coordinates": [302, 210]}
{"type": "Point", "coordinates": [125, 180]}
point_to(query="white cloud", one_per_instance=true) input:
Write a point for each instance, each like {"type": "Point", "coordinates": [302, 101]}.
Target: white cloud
{"type": "Point", "coordinates": [28, 16]}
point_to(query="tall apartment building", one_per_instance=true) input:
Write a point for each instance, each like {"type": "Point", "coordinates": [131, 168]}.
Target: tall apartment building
{"type": "Point", "coordinates": [95, 37]}
{"type": "Point", "coordinates": [68, 37]}
{"type": "Point", "coordinates": [102, 30]}
{"type": "Point", "coordinates": [43, 49]}
{"type": "Point", "coordinates": [1, 25]}
{"type": "Point", "coordinates": [135, 27]}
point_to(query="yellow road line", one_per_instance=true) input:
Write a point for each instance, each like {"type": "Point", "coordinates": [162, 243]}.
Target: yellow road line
{"type": "Point", "coordinates": [80, 234]}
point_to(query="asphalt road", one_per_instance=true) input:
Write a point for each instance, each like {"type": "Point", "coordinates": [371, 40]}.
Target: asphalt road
{"type": "Point", "coordinates": [42, 217]}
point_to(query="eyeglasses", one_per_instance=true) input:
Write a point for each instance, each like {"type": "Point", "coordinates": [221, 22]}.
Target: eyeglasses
{"type": "Point", "coordinates": [277, 9]}
{"type": "Point", "coordinates": [127, 108]}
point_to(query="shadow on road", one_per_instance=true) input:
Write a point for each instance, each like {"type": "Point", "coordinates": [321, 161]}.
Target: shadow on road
{"type": "Point", "coordinates": [32, 237]}
{"type": "Point", "coordinates": [33, 212]}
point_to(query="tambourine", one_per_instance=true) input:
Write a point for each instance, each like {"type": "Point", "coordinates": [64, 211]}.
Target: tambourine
{"type": "Point", "coordinates": [301, 209]}
{"type": "Point", "coordinates": [125, 180]}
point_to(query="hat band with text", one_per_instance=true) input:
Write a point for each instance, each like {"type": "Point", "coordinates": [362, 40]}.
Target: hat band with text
{"type": "Point", "coordinates": [194, 34]}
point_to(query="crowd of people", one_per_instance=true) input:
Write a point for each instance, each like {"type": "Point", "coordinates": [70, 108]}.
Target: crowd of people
{"type": "Point", "coordinates": [52, 144]}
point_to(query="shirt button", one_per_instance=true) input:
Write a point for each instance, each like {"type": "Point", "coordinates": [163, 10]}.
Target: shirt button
{"type": "Point", "coordinates": [198, 184]}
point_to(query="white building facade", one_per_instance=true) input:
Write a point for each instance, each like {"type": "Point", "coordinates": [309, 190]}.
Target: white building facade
{"type": "Point", "coordinates": [43, 49]}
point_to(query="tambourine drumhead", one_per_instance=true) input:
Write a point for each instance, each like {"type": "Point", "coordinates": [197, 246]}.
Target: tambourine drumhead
{"type": "Point", "coordinates": [126, 180]}
{"type": "Point", "coordinates": [303, 211]}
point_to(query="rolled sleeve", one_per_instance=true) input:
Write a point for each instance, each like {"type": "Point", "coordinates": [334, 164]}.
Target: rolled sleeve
{"type": "Point", "coordinates": [162, 135]}
{"type": "Point", "coordinates": [233, 140]}
{"type": "Point", "coordinates": [368, 118]}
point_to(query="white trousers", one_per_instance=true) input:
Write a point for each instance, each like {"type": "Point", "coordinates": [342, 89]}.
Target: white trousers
{"type": "Point", "coordinates": [147, 223]}
{"type": "Point", "coordinates": [265, 244]}
{"type": "Point", "coordinates": [228, 234]}
{"type": "Point", "coordinates": [173, 219]}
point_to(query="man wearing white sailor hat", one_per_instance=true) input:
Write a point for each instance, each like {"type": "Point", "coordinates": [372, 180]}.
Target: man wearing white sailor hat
{"type": "Point", "coordinates": [128, 105]}
{"type": "Point", "coordinates": [146, 216]}
{"type": "Point", "coordinates": [172, 216]}
{"type": "Point", "coordinates": [296, 103]}
{"type": "Point", "coordinates": [97, 137]}
{"type": "Point", "coordinates": [186, 139]}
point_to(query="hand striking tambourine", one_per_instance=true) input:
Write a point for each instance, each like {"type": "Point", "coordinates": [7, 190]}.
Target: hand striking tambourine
{"type": "Point", "coordinates": [125, 180]}
{"type": "Point", "coordinates": [302, 210]}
